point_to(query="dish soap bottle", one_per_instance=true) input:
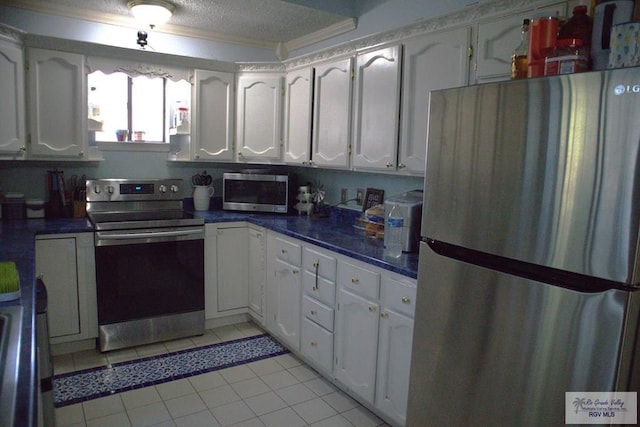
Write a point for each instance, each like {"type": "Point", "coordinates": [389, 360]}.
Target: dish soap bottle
{"type": "Point", "coordinates": [393, 232]}
{"type": "Point", "coordinates": [519, 65]}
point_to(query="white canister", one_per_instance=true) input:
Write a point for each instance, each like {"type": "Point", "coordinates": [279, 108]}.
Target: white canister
{"type": "Point", "coordinates": [202, 197]}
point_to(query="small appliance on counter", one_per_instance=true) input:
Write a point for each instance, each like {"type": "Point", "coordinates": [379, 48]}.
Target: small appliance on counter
{"type": "Point", "coordinates": [410, 204]}
{"type": "Point", "coordinates": [13, 206]}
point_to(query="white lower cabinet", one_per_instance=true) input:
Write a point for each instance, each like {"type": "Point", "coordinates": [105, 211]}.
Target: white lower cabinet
{"type": "Point", "coordinates": [234, 270]}
{"type": "Point", "coordinates": [257, 273]}
{"type": "Point", "coordinates": [357, 344]}
{"type": "Point", "coordinates": [350, 320]}
{"type": "Point", "coordinates": [284, 289]}
{"type": "Point", "coordinates": [394, 348]}
{"type": "Point", "coordinates": [67, 266]}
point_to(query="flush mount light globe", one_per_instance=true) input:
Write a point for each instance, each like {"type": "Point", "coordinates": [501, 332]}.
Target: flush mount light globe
{"type": "Point", "coordinates": [151, 12]}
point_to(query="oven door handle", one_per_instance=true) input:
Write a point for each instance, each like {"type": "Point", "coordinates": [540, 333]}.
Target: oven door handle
{"type": "Point", "coordinates": [149, 234]}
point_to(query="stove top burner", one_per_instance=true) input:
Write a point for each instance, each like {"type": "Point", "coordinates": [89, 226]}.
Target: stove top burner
{"type": "Point", "coordinates": [119, 204]}
{"type": "Point", "coordinates": [143, 219]}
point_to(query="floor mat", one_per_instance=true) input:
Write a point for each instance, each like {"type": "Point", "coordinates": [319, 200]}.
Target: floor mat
{"type": "Point", "coordinates": [80, 386]}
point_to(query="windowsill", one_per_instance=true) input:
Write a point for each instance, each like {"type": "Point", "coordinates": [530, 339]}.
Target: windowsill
{"type": "Point", "coordinates": [160, 147]}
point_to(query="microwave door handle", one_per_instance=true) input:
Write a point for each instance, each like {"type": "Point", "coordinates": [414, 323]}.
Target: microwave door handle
{"type": "Point", "coordinates": [148, 234]}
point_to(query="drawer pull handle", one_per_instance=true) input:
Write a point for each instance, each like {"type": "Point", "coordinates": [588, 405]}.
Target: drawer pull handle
{"type": "Point", "coordinates": [313, 312]}
{"type": "Point", "coordinates": [384, 315]}
{"type": "Point", "coordinates": [314, 344]}
{"type": "Point", "coordinates": [355, 280]}
{"type": "Point", "coordinates": [372, 308]}
{"type": "Point", "coordinates": [406, 300]}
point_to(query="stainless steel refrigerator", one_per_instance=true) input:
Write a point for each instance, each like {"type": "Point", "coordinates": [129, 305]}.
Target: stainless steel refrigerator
{"type": "Point", "coordinates": [528, 283]}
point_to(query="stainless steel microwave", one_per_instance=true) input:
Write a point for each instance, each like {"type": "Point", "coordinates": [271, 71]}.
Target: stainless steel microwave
{"type": "Point", "coordinates": [259, 192]}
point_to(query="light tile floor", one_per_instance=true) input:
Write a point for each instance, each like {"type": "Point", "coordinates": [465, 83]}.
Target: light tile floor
{"type": "Point", "coordinates": [278, 392]}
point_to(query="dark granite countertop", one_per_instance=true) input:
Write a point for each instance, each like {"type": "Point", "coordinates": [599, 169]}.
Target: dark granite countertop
{"type": "Point", "coordinates": [17, 243]}
{"type": "Point", "coordinates": [335, 233]}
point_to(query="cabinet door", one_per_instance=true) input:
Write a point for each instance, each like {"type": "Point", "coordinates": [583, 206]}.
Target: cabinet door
{"type": "Point", "coordinates": [356, 340]}
{"type": "Point", "coordinates": [12, 126]}
{"type": "Point", "coordinates": [56, 262]}
{"type": "Point", "coordinates": [58, 104]}
{"type": "Point", "coordinates": [497, 39]}
{"type": "Point", "coordinates": [297, 128]}
{"type": "Point", "coordinates": [285, 303]}
{"type": "Point", "coordinates": [232, 252]}
{"type": "Point", "coordinates": [213, 113]}
{"type": "Point", "coordinates": [394, 362]}
{"type": "Point", "coordinates": [257, 272]}
{"type": "Point", "coordinates": [332, 113]}
{"type": "Point", "coordinates": [377, 106]}
{"type": "Point", "coordinates": [259, 117]}
{"type": "Point", "coordinates": [431, 62]}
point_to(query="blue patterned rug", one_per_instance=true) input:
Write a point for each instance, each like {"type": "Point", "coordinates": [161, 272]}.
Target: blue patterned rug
{"type": "Point", "coordinates": [80, 386]}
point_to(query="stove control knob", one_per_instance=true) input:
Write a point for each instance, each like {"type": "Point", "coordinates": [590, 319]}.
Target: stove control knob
{"type": "Point", "coordinates": [110, 189]}
{"type": "Point", "coordinates": [174, 188]}
{"type": "Point", "coordinates": [162, 189]}
{"type": "Point", "coordinates": [97, 189]}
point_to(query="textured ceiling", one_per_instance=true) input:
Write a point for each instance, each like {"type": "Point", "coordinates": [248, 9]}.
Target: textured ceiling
{"type": "Point", "coordinates": [257, 22]}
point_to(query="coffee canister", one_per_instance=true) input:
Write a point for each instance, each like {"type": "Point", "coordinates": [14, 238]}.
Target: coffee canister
{"type": "Point", "coordinates": [607, 14]}
{"type": "Point", "coordinates": [625, 45]}
{"type": "Point", "coordinates": [13, 206]}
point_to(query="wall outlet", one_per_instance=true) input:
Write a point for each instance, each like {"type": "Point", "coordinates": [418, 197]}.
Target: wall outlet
{"type": "Point", "coordinates": [343, 196]}
{"type": "Point", "coordinates": [359, 196]}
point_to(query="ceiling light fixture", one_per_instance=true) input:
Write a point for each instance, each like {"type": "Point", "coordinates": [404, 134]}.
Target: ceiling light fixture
{"type": "Point", "coordinates": [151, 12]}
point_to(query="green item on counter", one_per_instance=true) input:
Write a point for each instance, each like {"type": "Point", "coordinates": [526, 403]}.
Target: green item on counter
{"type": "Point", "coordinates": [9, 281]}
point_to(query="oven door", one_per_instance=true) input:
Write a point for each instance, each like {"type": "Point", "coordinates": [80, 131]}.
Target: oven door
{"type": "Point", "coordinates": [147, 273]}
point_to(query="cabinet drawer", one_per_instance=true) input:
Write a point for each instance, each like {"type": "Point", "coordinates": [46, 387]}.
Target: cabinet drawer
{"type": "Point", "coordinates": [399, 296]}
{"type": "Point", "coordinates": [317, 344]}
{"type": "Point", "coordinates": [289, 252]}
{"type": "Point", "coordinates": [324, 265]}
{"type": "Point", "coordinates": [359, 280]}
{"type": "Point", "coordinates": [319, 313]}
{"type": "Point", "coordinates": [320, 289]}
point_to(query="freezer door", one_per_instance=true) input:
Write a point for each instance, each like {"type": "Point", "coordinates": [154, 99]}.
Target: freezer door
{"type": "Point", "coordinates": [494, 349]}
{"type": "Point", "coordinates": [541, 170]}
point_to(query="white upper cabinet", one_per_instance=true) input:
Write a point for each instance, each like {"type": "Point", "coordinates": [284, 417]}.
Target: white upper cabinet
{"type": "Point", "coordinates": [259, 117]}
{"type": "Point", "coordinates": [297, 127]}
{"type": "Point", "coordinates": [12, 125]}
{"type": "Point", "coordinates": [497, 38]}
{"type": "Point", "coordinates": [57, 97]}
{"type": "Point", "coordinates": [431, 62]}
{"type": "Point", "coordinates": [332, 113]}
{"type": "Point", "coordinates": [213, 114]}
{"type": "Point", "coordinates": [377, 104]}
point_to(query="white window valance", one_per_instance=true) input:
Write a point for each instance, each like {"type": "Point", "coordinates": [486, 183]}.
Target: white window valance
{"type": "Point", "coordinates": [135, 69]}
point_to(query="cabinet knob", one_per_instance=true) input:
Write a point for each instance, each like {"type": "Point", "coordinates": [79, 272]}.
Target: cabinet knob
{"type": "Point", "coordinates": [316, 264]}
{"type": "Point", "coordinates": [81, 154]}
{"type": "Point", "coordinates": [314, 344]}
{"type": "Point", "coordinates": [401, 166]}
{"type": "Point", "coordinates": [315, 288]}
{"type": "Point", "coordinates": [22, 149]}
{"type": "Point", "coordinates": [313, 312]}
{"type": "Point", "coordinates": [389, 165]}
{"type": "Point", "coordinates": [284, 251]}
{"type": "Point", "coordinates": [295, 271]}
{"type": "Point", "coordinates": [372, 308]}
{"type": "Point", "coordinates": [406, 300]}
{"type": "Point", "coordinates": [384, 314]}
{"type": "Point", "coordinates": [355, 280]}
